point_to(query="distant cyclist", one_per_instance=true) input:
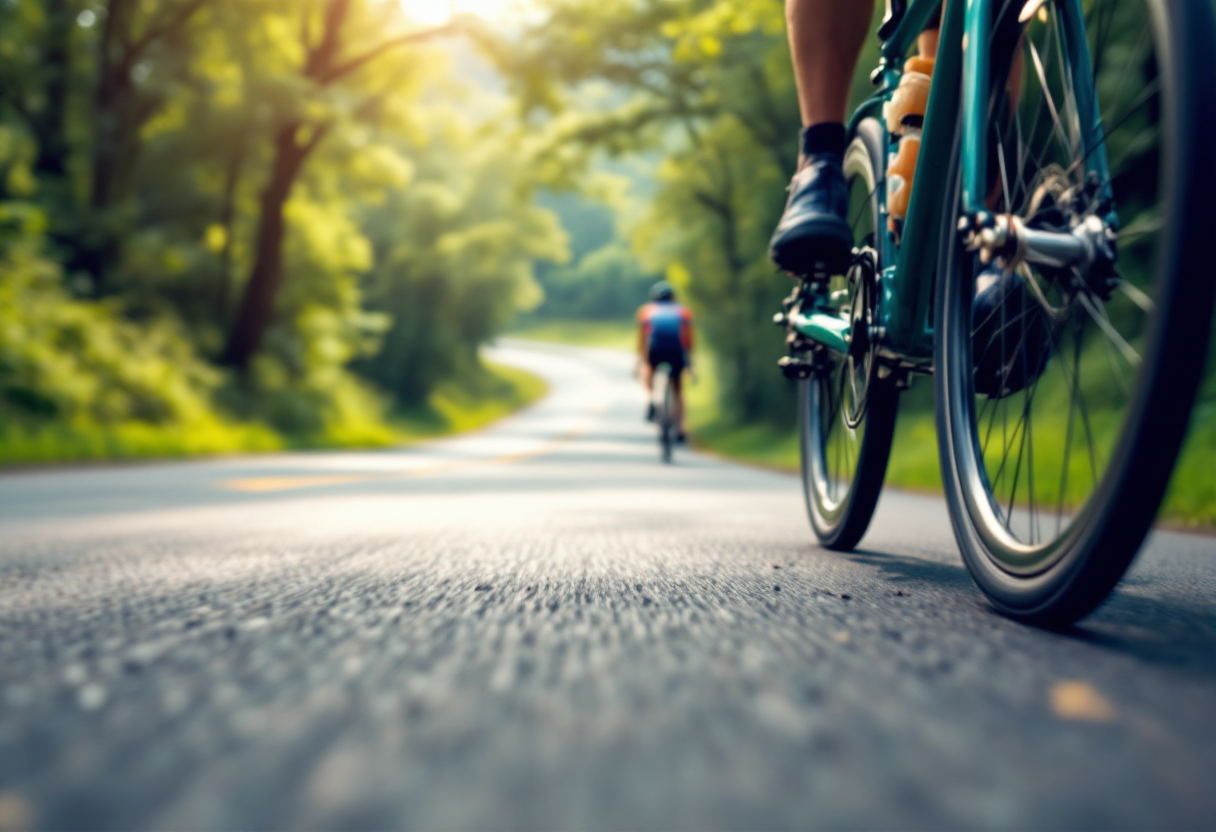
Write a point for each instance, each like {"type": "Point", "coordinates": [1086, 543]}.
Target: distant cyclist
{"type": "Point", "coordinates": [665, 337]}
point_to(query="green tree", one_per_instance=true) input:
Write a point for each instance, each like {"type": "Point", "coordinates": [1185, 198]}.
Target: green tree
{"type": "Point", "coordinates": [455, 256]}
{"type": "Point", "coordinates": [342, 76]}
{"type": "Point", "coordinates": [708, 84]}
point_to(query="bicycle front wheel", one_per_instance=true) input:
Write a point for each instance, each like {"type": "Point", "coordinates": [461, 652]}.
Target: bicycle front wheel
{"type": "Point", "coordinates": [1063, 395]}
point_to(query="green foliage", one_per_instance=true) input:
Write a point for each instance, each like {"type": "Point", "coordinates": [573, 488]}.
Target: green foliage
{"type": "Point", "coordinates": [608, 283]}
{"type": "Point", "coordinates": [164, 161]}
{"type": "Point", "coordinates": [73, 361]}
{"type": "Point", "coordinates": [616, 335]}
{"type": "Point", "coordinates": [476, 401]}
{"type": "Point", "coordinates": [455, 259]}
{"type": "Point", "coordinates": [708, 85]}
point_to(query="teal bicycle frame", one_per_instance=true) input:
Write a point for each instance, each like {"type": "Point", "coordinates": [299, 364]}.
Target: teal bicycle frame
{"type": "Point", "coordinates": [906, 283]}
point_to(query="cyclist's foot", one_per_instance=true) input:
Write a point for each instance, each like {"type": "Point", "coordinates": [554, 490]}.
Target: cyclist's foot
{"type": "Point", "coordinates": [813, 236]}
{"type": "Point", "coordinates": [1013, 334]}
{"type": "Point", "coordinates": [681, 438]}
{"type": "Point", "coordinates": [650, 412]}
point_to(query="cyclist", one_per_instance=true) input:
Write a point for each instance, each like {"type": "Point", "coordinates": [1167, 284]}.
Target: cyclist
{"type": "Point", "coordinates": [814, 236]}
{"type": "Point", "coordinates": [826, 38]}
{"type": "Point", "coordinates": [665, 336]}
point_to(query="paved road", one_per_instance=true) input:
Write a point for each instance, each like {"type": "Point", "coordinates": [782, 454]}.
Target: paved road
{"type": "Point", "coordinates": [541, 627]}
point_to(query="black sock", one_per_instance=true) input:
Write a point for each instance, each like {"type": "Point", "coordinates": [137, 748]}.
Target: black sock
{"type": "Point", "coordinates": [825, 137]}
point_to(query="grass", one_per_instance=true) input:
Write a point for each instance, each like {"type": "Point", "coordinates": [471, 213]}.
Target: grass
{"type": "Point", "coordinates": [452, 408]}
{"type": "Point", "coordinates": [458, 408]}
{"type": "Point", "coordinates": [617, 335]}
{"type": "Point", "coordinates": [914, 466]}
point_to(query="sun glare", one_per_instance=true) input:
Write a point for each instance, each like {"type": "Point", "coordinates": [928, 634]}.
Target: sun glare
{"type": "Point", "coordinates": [435, 12]}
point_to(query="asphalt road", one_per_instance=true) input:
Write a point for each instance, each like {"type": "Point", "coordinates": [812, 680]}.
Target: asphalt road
{"type": "Point", "coordinates": [539, 626]}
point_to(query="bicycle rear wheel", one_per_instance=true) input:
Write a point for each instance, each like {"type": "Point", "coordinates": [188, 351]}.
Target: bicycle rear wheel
{"type": "Point", "coordinates": [846, 410]}
{"type": "Point", "coordinates": [667, 422]}
{"type": "Point", "coordinates": [1063, 397]}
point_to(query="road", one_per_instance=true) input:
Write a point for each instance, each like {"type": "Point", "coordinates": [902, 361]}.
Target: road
{"type": "Point", "coordinates": [539, 626]}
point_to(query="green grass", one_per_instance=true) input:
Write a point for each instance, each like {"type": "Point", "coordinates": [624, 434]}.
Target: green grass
{"type": "Point", "coordinates": [914, 466]}
{"type": "Point", "coordinates": [452, 408]}
{"type": "Point", "coordinates": [458, 408]}
{"type": "Point", "coordinates": [617, 335]}
{"type": "Point", "coordinates": [84, 442]}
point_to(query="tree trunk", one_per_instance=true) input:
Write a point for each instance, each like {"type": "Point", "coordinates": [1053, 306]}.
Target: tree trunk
{"type": "Point", "coordinates": [99, 248]}
{"type": "Point", "coordinates": [232, 181]}
{"type": "Point", "coordinates": [257, 304]}
{"type": "Point", "coordinates": [50, 123]}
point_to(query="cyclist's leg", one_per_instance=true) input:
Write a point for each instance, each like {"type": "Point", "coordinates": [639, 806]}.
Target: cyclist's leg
{"type": "Point", "coordinates": [677, 389]}
{"type": "Point", "coordinates": [646, 371]}
{"type": "Point", "coordinates": [826, 37]}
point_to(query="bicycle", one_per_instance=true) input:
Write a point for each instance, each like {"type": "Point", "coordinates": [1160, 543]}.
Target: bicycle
{"type": "Point", "coordinates": [664, 412]}
{"type": "Point", "coordinates": [1063, 155]}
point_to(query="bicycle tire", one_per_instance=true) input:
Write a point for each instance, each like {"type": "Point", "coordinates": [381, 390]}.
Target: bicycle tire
{"type": "Point", "coordinates": [1081, 566]}
{"type": "Point", "coordinates": [841, 523]}
{"type": "Point", "coordinates": [666, 438]}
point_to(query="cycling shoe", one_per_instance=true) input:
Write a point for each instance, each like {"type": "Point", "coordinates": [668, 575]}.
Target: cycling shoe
{"type": "Point", "coordinates": [813, 237]}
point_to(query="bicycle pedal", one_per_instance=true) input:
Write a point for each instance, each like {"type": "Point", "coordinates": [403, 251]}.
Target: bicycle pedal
{"type": "Point", "coordinates": [795, 369]}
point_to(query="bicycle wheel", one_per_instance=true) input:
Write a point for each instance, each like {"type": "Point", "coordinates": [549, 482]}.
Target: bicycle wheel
{"type": "Point", "coordinates": [846, 412]}
{"type": "Point", "coordinates": [1063, 397]}
{"type": "Point", "coordinates": [667, 423]}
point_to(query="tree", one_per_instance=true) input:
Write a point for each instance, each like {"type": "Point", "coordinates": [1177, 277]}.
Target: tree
{"type": "Point", "coordinates": [335, 57]}
{"type": "Point", "coordinates": [142, 52]}
{"type": "Point", "coordinates": [708, 85]}
{"type": "Point", "coordinates": [455, 254]}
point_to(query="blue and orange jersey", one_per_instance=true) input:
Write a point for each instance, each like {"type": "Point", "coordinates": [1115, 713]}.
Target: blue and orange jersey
{"type": "Point", "coordinates": [665, 325]}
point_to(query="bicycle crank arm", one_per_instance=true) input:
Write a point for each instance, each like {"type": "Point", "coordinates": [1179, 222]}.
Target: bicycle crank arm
{"type": "Point", "coordinates": [831, 331]}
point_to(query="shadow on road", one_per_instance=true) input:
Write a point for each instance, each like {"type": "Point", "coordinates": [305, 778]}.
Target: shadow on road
{"type": "Point", "coordinates": [1161, 630]}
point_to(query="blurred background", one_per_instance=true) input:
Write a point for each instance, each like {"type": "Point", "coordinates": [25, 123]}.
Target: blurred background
{"type": "Point", "coordinates": [245, 225]}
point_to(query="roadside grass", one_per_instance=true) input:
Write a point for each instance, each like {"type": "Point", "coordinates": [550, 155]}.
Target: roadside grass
{"type": "Point", "coordinates": [617, 335]}
{"type": "Point", "coordinates": [459, 408]}
{"type": "Point", "coordinates": [452, 408]}
{"type": "Point", "coordinates": [914, 465]}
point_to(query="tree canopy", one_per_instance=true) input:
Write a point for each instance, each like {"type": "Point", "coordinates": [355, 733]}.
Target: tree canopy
{"type": "Point", "coordinates": [249, 199]}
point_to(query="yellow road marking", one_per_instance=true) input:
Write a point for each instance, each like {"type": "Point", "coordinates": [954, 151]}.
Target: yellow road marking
{"type": "Point", "coordinates": [255, 485]}
{"type": "Point", "coordinates": [16, 813]}
{"type": "Point", "coordinates": [1079, 700]}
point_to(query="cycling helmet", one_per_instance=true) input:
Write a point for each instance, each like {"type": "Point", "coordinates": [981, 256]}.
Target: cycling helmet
{"type": "Point", "coordinates": [662, 291]}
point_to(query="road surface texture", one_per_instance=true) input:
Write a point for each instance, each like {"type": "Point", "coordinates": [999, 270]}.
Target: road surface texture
{"type": "Point", "coordinates": [541, 627]}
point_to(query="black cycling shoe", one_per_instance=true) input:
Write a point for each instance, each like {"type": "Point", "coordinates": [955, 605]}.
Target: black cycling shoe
{"type": "Point", "coordinates": [813, 236]}
{"type": "Point", "coordinates": [650, 412]}
{"type": "Point", "coordinates": [681, 438]}
{"type": "Point", "coordinates": [1013, 334]}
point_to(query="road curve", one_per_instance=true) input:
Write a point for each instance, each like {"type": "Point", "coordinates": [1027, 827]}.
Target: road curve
{"type": "Point", "coordinates": [539, 626]}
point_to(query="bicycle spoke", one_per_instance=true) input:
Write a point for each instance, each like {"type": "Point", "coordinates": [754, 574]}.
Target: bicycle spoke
{"type": "Point", "coordinates": [1000, 153]}
{"type": "Point", "coordinates": [1143, 98]}
{"type": "Point", "coordinates": [1050, 101]}
{"type": "Point", "coordinates": [1013, 492]}
{"type": "Point", "coordinates": [1067, 462]}
{"type": "Point", "coordinates": [1072, 112]}
{"type": "Point", "coordinates": [1136, 296]}
{"type": "Point", "coordinates": [1082, 407]}
{"type": "Point", "coordinates": [1109, 330]}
